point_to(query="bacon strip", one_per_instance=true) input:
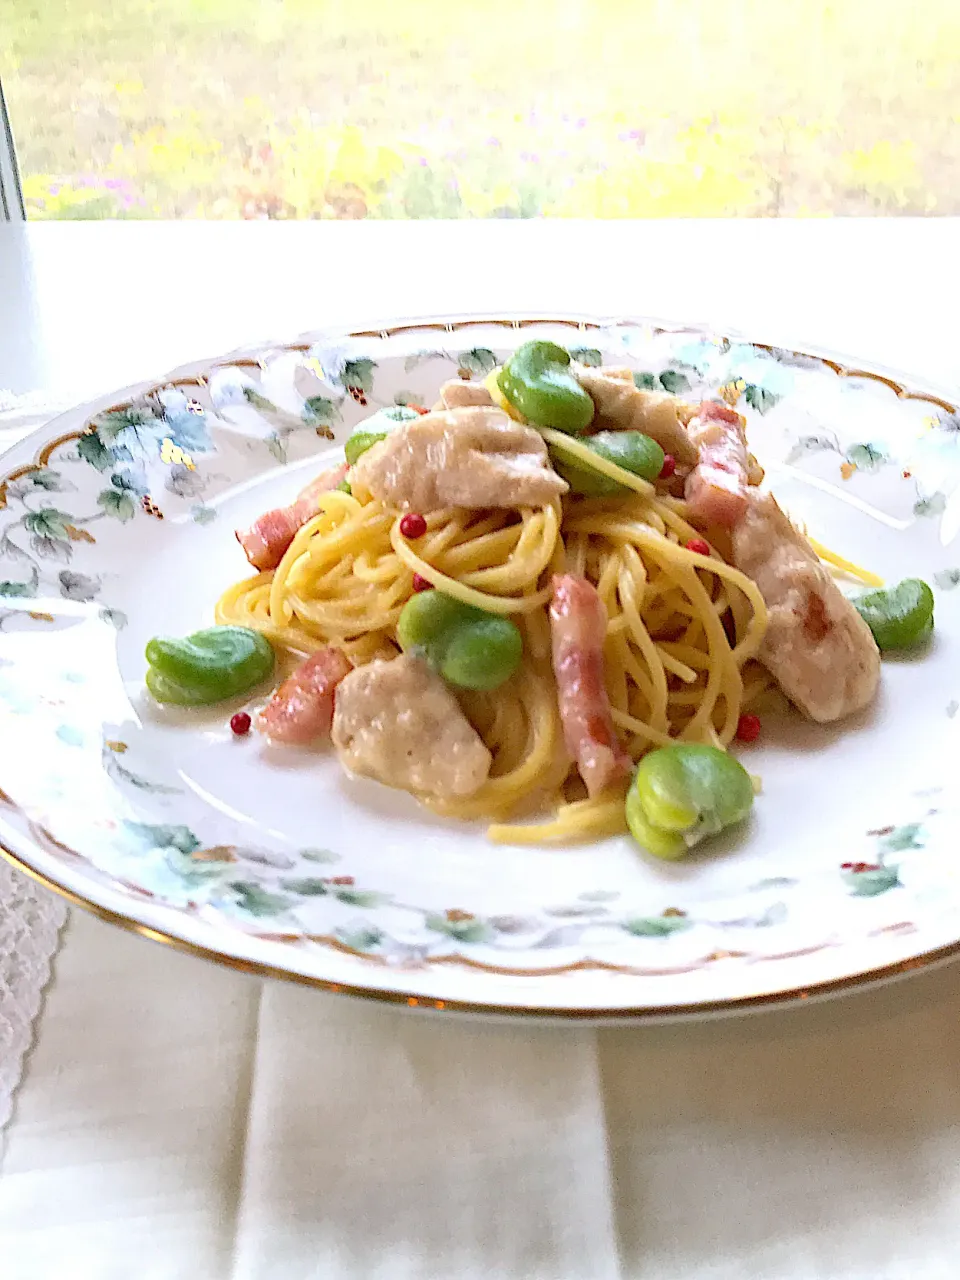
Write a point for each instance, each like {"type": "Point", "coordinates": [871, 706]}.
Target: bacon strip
{"type": "Point", "coordinates": [578, 627]}
{"type": "Point", "coordinates": [301, 710]}
{"type": "Point", "coordinates": [267, 539]}
{"type": "Point", "coordinates": [716, 488]}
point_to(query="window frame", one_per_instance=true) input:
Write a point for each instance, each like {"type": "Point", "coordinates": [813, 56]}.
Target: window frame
{"type": "Point", "coordinates": [11, 193]}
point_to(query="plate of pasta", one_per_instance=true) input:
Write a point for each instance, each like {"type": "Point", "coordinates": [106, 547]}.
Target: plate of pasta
{"type": "Point", "coordinates": [556, 667]}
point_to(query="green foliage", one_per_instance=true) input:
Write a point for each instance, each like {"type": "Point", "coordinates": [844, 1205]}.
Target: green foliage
{"type": "Point", "coordinates": [656, 926]}
{"type": "Point", "coordinates": [48, 522]}
{"type": "Point", "coordinates": [149, 836]}
{"type": "Point", "coordinates": [674, 381]}
{"type": "Point", "coordinates": [294, 109]}
{"type": "Point", "coordinates": [117, 504]}
{"type": "Point", "coordinates": [868, 884]}
{"type": "Point", "coordinates": [257, 901]}
{"type": "Point", "coordinates": [92, 450]}
{"type": "Point", "coordinates": [18, 590]}
{"type": "Point", "coordinates": [760, 398]}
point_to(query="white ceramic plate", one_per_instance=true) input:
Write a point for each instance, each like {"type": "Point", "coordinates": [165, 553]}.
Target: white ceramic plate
{"type": "Point", "coordinates": [116, 523]}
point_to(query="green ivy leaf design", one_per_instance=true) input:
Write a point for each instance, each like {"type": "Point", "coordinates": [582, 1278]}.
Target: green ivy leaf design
{"type": "Point", "coordinates": [52, 481]}
{"type": "Point", "coordinates": [868, 884]}
{"type": "Point", "coordinates": [656, 926]}
{"type": "Point", "coordinates": [470, 929]}
{"type": "Point", "coordinates": [111, 425]}
{"type": "Point", "coordinates": [130, 481]}
{"type": "Point", "coordinates": [93, 451]}
{"type": "Point", "coordinates": [588, 356]}
{"type": "Point", "coordinates": [357, 375]}
{"type": "Point", "coordinates": [359, 897]}
{"type": "Point", "coordinates": [18, 590]}
{"type": "Point", "coordinates": [363, 938]}
{"type": "Point", "coordinates": [479, 361]}
{"type": "Point", "coordinates": [645, 381]}
{"type": "Point", "coordinates": [276, 448]}
{"type": "Point", "coordinates": [674, 381]}
{"type": "Point", "coordinates": [257, 901]}
{"type": "Point", "coordinates": [119, 505]}
{"type": "Point", "coordinates": [319, 411]}
{"type": "Point", "coordinates": [866, 457]}
{"type": "Point", "coordinates": [164, 836]}
{"type": "Point", "coordinates": [935, 505]}
{"type": "Point", "coordinates": [901, 838]}
{"type": "Point", "coordinates": [202, 514]}
{"type": "Point", "coordinates": [947, 579]}
{"type": "Point", "coordinates": [308, 887]}
{"type": "Point", "coordinates": [319, 855]}
{"type": "Point", "coordinates": [48, 522]}
{"type": "Point", "coordinates": [760, 398]}
{"type": "Point", "coordinates": [258, 400]}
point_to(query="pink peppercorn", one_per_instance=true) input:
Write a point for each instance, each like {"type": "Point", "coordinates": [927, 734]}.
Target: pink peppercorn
{"type": "Point", "coordinates": [413, 525]}
{"type": "Point", "coordinates": [748, 728]}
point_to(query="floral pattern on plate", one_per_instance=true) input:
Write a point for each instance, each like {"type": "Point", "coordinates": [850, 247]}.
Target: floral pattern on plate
{"type": "Point", "coordinates": [116, 522]}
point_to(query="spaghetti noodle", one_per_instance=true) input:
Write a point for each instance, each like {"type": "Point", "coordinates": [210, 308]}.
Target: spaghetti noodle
{"type": "Point", "coordinates": [683, 627]}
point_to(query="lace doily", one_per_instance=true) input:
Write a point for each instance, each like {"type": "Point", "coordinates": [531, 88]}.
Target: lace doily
{"type": "Point", "coordinates": [30, 922]}
{"type": "Point", "coordinates": [30, 916]}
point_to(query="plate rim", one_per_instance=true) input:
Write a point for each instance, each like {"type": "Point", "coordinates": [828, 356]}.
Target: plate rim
{"type": "Point", "coordinates": [46, 437]}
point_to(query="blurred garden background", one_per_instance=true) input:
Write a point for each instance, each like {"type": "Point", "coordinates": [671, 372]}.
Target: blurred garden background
{"type": "Point", "coordinates": [507, 108]}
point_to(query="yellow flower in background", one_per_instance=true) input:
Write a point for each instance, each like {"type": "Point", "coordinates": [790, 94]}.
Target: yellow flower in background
{"type": "Point", "coordinates": [886, 169]}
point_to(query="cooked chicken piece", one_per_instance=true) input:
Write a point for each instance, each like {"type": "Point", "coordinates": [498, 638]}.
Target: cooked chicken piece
{"type": "Point", "coordinates": [457, 394]}
{"type": "Point", "coordinates": [301, 710]}
{"type": "Point", "coordinates": [716, 489]}
{"type": "Point", "coordinates": [471, 457]}
{"type": "Point", "coordinates": [578, 628]}
{"type": "Point", "coordinates": [622, 406]}
{"type": "Point", "coordinates": [399, 723]}
{"type": "Point", "coordinates": [817, 647]}
{"type": "Point", "coordinates": [267, 539]}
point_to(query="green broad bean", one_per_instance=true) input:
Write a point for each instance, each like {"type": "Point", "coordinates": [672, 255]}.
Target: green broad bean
{"type": "Point", "coordinates": [468, 647]}
{"type": "Point", "coordinates": [631, 450]}
{"type": "Point", "coordinates": [208, 666]}
{"type": "Point", "coordinates": [683, 793]}
{"type": "Point", "coordinates": [899, 617]}
{"type": "Point", "coordinates": [374, 429]}
{"type": "Point", "coordinates": [537, 381]}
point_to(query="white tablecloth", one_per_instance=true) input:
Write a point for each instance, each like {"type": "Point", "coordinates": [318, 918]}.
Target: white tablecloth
{"type": "Point", "coordinates": [181, 1120]}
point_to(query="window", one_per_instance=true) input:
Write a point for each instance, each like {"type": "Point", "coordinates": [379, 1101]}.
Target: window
{"type": "Point", "coordinates": [418, 109]}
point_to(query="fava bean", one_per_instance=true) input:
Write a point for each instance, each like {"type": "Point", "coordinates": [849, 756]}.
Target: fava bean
{"type": "Point", "coordinates": [537, 381]}
{"type": "Point", "coordinates": [208, 666]}
{"type": "Point", "coordinates": [683, 793]}
{"type": "Point", "coordinates": [468, 647]}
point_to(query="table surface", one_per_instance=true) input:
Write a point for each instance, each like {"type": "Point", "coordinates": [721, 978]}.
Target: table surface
{"type": "Point", "coordinates": [178, 1119]}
